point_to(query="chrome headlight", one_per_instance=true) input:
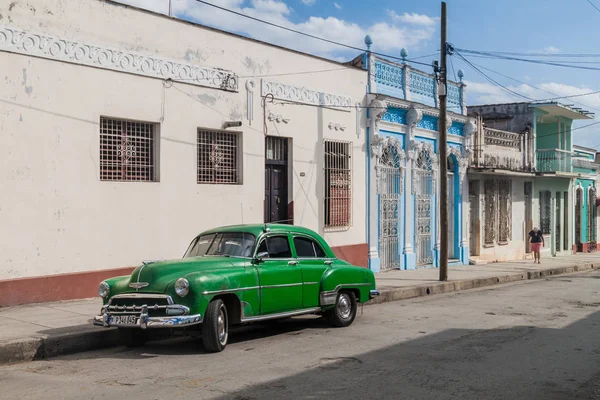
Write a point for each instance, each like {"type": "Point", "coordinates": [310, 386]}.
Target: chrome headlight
{"type": "Point", "coordinates": [103, 289]}
{"type": "Point", "coordinates": [182, 287]}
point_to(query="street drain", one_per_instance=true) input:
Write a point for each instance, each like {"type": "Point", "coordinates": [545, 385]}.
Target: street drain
{"type": "Point", "coordinates": [428, 291]}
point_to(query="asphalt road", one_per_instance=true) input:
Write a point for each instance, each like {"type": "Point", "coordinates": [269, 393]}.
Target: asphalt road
{"type": "Point", "coordinates": [530, 340]}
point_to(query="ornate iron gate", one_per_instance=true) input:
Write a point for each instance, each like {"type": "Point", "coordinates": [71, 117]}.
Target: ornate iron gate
{"type": "Point", "coordinates": [578, 204]}
{"type": "Point", "coordinates": [424, 195]}
{"type": "Point", "coordinates": [390, 188]}
{"type": "Point", "coordinates": [592, 214]}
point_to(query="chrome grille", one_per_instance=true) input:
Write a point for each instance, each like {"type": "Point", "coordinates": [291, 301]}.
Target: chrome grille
{"type": "Point", "coordinates": [134, 303]}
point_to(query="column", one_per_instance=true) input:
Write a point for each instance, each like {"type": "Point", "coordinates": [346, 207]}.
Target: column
{"type": "Point", "coordinates": [413, 116]}
{"type": "Point", "coordinates": [376, 112]}
{"type": "Point", "coordinates": [437, 180]}
{"type": "Point", "coordinates": [464, 190]}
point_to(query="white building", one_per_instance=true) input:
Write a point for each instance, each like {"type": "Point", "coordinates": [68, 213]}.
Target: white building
{"type": "Point", "coordinates": [120, 140]}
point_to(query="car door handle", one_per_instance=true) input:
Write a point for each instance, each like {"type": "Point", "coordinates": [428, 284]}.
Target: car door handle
{"type": "Point", "coordinates": [328, 262]}
{"type": "Point", "coordinates": [292, 262]}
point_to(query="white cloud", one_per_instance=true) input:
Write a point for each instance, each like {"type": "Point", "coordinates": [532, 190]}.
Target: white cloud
{"type": "Point", "coordinates": [550, 50]}
{"type": "Point", "coordinates": [309, 2]}
{"type": "Point", "coordinates": [338, 6]}
{"type": "Point", "coordinates": [388, 35]}
{"type": "Point", "coordinates": [413, 19]}
{"type": "Point", "coordinates": [487, 93]}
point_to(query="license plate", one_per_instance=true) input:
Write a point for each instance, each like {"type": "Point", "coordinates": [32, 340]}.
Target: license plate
{"type": "Point", "coordinates": [124, 320]}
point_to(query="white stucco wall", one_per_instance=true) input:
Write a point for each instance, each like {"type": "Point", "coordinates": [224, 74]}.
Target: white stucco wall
{"type": "Point", "coordinates": [515, 248]}
{"type": "Point", "coordinates": [58, 217]}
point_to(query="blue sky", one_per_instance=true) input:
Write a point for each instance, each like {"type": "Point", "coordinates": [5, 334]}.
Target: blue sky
{"type": "Point", "coordinates": [527, 26]}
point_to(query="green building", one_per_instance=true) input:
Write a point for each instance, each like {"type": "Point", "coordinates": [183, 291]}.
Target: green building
{"type": "Point", "coordinates": [553, 182]}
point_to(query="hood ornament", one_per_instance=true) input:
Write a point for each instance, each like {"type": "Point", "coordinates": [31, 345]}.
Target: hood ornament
{"type": "Point", "coordinates": [138, 285]}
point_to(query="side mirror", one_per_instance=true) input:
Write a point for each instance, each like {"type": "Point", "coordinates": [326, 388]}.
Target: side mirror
{"type": "Point", "coordinates": [259, 257]}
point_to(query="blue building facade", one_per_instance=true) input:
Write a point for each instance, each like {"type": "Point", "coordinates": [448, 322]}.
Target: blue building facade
{"type": "Point", "coordinates": [403, 166]}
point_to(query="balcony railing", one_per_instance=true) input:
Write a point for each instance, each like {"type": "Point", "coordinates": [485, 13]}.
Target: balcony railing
{"type": "Point", "coordinates": [497, 149]}
{"type": "Point", "coordinates": [582, 162]}
{"type": "Point", "coordinates": [554, 160]}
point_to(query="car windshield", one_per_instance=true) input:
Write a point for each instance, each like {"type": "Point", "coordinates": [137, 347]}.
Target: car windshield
{"type": "Point", "coordinates": [233, 244]}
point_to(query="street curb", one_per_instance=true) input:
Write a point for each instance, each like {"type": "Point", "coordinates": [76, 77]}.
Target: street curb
{"type": "Point", "coordinates": [404, 293]}
{"type": "Point", "coordinates": [59, 345]}
{"type": "Point", "coordinates": [99, 338]}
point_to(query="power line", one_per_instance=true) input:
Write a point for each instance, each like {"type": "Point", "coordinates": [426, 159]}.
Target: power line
{"type": "Point", "coordinates": [593, 5]}
{"type": "Point", "coordinates": [543, 90]}
{"type": "Point", "coordinates": [492, 80]}
{"type": "Point", "coordinates": [502, 57]}
{"type": "Point", "coordinates": [304, 33]}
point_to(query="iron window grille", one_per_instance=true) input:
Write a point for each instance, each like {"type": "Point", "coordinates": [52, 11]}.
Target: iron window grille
{"type": "Point", "coordinates": [128, 150]}
{"type": "Point", "coordinates": [545, 211]}
{"type": "Point", "coordinates": [218, 157]}
{"type": "Point", "coordinates": [338, 184]}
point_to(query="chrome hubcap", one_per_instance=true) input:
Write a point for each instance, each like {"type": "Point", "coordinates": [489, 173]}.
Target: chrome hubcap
{"type": "Point", "coordinates": [344, 306]}
{"type": "Point", "coordinates": [222, 326]}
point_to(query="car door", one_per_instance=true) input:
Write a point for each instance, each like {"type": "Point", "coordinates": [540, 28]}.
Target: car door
{"type": "Point", "coordinates": [280, 276]}
{"type": "Point", "coordinates": [313, 262]}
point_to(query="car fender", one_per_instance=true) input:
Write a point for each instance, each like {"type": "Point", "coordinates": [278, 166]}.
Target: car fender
{"type": "Point", "coordinates": [238, 284]}
{"type": "Point", "coordinates": [346, 278]}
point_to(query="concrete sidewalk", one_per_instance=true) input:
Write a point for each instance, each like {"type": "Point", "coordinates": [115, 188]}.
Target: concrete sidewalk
{"type": "Point", "coordinates": [39, 331]}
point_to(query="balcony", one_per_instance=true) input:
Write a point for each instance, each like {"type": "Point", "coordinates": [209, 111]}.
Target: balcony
{"type": "Point", "coordinates": [401, 81]}
{"type": "Point", "coordinates": [554, 160]}
{"type": "Point", "coordinates": [497, 149]}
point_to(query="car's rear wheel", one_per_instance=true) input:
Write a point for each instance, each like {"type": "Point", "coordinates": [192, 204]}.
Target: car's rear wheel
{"type": "Point", "coordinates": [132, 337]}
{"type": "Point", "coordinates": [344, 312]}
{"type": "Point", "coordinates": [215, 328]}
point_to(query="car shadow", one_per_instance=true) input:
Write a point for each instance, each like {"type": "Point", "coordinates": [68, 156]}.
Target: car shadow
{"type": "Point", "coordinates": [161, 343]}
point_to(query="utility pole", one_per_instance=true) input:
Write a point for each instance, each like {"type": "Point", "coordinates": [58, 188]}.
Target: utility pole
{"type": "Point", "coordinates": [443, 152]}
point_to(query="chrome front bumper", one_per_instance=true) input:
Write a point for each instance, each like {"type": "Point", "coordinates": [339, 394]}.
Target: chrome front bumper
{"type": "Point", "coordinates": [373, 293]}
{"type": "Point", "coordinates": [179, 317]}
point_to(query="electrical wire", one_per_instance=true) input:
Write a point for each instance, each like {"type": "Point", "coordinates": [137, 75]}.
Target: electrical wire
{"type": "Point", "coordinates": [543, 90]}
{"type": "Point", "coordinates": [593, 5]}
{"type": "Point", "coordinates": [304, 33]}
{"type": "Point", "coordinates": [492, 80]}
{"type": "Point", "coordinates": [502, 57]}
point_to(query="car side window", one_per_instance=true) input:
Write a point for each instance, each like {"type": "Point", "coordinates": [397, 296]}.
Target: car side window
{"type": "Point", "coordinates": [308, 248]}
{"type": "Point", "coordinates": [276, 247]}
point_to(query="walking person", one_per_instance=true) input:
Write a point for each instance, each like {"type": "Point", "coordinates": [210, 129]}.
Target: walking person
{"type": "Point", "coordinates": [537, 242]}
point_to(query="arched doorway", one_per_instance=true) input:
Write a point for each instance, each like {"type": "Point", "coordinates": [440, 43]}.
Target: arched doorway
{"type": "Point", "coordinates": [452, 188]}
{"type": "Point", "coordinates": [592, 214]}
{"type": "Point", "coordinates": [578, 205]}
{"type": "Point", "coordinates": [423, 169]}
{"type": "Point", "coordinates": [390, 189]}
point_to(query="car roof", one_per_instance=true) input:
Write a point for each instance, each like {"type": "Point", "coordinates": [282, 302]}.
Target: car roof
{"type": "Point", "coordinates": [257, 229]}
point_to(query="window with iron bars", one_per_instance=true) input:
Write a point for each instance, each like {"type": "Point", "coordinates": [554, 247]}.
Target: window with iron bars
{"type": "Point", "coordinates": [497, 211]}
{"type": "Point", "coordinates": [218, 157]}
{"type": "Point", "coordinates": [338, 184]}
{"type": "Point", "coordinates": [128, 150]}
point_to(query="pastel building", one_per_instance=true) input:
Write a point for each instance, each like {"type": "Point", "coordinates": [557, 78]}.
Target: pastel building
{"type": "Point", "coordinates": [403, 165]}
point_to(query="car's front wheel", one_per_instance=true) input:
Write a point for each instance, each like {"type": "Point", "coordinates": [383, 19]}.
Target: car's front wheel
{"type": "Point", "coordinates": [132, 337]}
{"type": "Point", "coordinates": [215, 328]}
{"type": "Point", "coordinates": [344, 312]}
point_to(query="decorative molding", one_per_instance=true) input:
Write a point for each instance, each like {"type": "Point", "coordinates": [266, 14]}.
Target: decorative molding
{"type": "Point", "coordinates": [371, 64]}
{"type": "Point", "coordinates": [469, 128]}
{"type": "Point", "coordinates": [378, 109]}
{"type": "Point", "coordinates": [278, 118]}
{"type": "Point", "coordinates": [395, 116]}
{"type": "Point", "coordinates": [413, 117]}
{"type": "Point", "coordinates": [398, 162]}
{"type": "Point", "coordinates": [303, 95]}
{"type": "Point", "coordinates": [250, 86]}
{"type": "Point", "coordinates": [448, 123]}
{"type": "Point", "coordinates": [337, 127]}
{"type": "Point", "coordinates": [60, 49]}
{"type": "Point", "coordinates": [414, 149]}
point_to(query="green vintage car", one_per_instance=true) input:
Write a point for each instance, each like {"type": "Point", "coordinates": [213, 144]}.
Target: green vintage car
{"type": "Point", "coordinates": [234, 275]}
